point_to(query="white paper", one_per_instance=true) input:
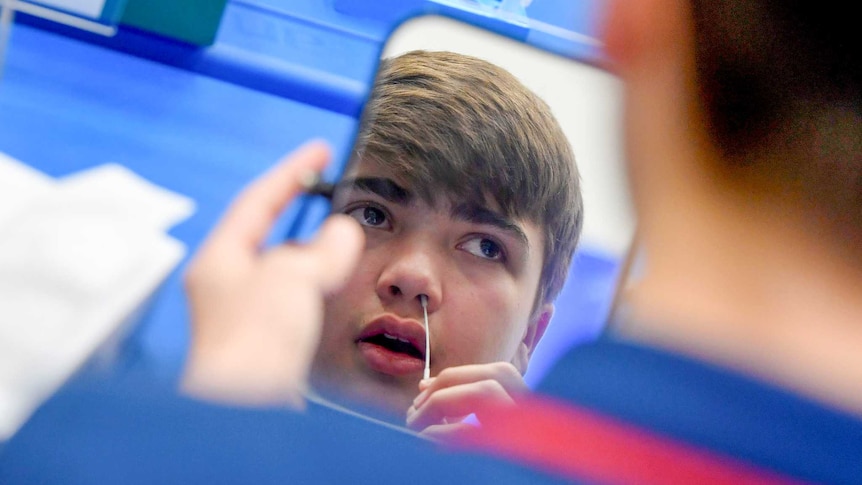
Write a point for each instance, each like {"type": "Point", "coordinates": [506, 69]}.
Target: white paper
{"type": "Point", "coordinates": [19, 186]}
{"type": "Point", "coordinates": [78, 258]}
{"type": "Point", "coordinates": [151, 205]}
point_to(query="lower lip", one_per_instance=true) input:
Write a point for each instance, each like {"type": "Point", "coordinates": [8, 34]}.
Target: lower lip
{"type": "Point", "coordinates": [385, 361]}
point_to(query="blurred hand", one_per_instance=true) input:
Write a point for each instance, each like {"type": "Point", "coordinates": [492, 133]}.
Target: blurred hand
{"type": "Point", "coordinates": [446, 400]}
{"type": "Point", "coordinates": [256, 313]}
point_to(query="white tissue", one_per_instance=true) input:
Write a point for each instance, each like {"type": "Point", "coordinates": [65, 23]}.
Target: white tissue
{"type": "Point", "coordinates": [153, 206]}
{"type": "Point", "coordinates": [19, 185]}
{"type": "Point", "coordinates": [79, 256]}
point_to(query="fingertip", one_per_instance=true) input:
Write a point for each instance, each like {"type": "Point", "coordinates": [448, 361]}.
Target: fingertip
{"type": "Point", "coordinates": [426, 383]}
{"type": "Point", "coordinates": [316, 145]}
{"type": "Point", "coordinates": [343, 219]}
{"type": "Point", "coordinates": [312, 156]}
{"type": "Point", "coordinates": [338, 246]}
{"type": "Point", "coordinates": [344, 231]}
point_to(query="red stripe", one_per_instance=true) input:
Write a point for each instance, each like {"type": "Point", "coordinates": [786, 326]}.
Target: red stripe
{"type": "Point", "coordinates": [580, 444]}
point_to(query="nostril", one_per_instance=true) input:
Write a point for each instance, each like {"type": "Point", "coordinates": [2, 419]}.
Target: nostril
{"type": "Point", "coordinates": [394, 290]}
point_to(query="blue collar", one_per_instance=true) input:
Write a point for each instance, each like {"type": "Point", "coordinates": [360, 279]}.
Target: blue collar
{"type": "Point", "coordinates": [712, 407]}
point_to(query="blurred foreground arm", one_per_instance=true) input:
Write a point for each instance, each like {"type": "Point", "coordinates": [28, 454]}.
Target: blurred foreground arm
{"type": "Point", "coordinates": [256, 312]}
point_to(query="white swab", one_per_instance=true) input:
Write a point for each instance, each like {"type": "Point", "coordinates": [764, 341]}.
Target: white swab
{"type": "Point", "coordinates": [424, 300]}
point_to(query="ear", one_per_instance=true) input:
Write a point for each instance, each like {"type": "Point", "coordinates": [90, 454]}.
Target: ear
{"type": "Point", "coordinates": [535, 330]}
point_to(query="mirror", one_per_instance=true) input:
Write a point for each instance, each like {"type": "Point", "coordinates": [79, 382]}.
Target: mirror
{"type": "Point", "coordinates": [453, 176]}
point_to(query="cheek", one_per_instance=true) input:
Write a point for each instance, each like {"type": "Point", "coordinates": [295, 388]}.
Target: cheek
{"type": "Point", "coordinates": [488, 325]}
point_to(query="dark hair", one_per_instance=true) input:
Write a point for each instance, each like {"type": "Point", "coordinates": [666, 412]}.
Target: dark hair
{"type": "Point", "coordinates": [454, 125]}
{"type": "Point", "coordinates": [780, 86]}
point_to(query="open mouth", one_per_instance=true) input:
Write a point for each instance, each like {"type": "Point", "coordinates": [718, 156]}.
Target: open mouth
{"type": "Point", "coordinates": [395, 344]}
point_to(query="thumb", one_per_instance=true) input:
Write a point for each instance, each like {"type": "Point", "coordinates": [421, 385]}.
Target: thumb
{"type": "Point", "coordinates": [336, 249]}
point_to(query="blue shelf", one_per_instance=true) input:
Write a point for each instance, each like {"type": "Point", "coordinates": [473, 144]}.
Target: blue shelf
{"type": "Point", "coordinates": [260, 49]}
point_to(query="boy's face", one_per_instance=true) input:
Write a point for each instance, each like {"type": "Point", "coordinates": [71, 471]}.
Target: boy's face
{"type": "Point", "coordinates": [479, 269]}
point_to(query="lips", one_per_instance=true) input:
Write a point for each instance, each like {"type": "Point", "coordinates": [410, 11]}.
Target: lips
{"type": "Point", "coordinates": [393, 346]}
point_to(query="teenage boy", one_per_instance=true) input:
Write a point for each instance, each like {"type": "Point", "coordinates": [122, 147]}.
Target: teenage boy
{"type": "Point", "coordinates": [468, 194]}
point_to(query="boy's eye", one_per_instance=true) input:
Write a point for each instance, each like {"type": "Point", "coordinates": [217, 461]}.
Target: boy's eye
{"type": "Point", "coordinates": [484, 248]}
{"type": "Point", "coordinates": [369, 216]}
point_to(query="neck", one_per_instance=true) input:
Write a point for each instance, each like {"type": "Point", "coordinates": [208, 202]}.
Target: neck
{"type": "Point", "coordinates": [749, 291]}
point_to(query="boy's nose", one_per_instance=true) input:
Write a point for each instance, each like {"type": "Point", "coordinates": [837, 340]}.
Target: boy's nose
{"type": "Point", "coordinates": [408, 274]}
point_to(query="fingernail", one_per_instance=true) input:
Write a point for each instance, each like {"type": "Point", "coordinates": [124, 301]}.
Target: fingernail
{"type": "Point", "coordinates": [424, 383]}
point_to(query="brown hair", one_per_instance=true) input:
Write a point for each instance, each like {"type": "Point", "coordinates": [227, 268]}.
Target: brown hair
{"type": "Point", "coordinates": [452, 124]}
{"type": "Point", "coordinates": [779, 82]}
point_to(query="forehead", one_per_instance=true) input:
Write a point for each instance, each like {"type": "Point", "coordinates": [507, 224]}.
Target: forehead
{"type": "Point", "coordinates": [419, 186]}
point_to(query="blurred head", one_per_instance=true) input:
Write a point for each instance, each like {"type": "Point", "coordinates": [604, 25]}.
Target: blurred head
{"type": "Point", "coordinates": [779, 83]}
{"type": "Point", "coordinates": [763, 94]}
{"type": "Point", "coordinates": [744, 124]}
{"type": "Point", "coordinates": [469, 194]}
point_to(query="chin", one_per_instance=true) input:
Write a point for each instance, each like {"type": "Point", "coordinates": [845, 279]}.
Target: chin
{"type": "Point", "coordinates": [383, 399]}
{"type": "Point", "coordinates": [386, 396]}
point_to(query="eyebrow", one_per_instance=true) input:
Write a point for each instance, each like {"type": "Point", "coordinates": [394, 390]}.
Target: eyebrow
{"type": "Point", "coordinates": [482, 215]}
{"type": "Point", "coordinates": [380, 186]}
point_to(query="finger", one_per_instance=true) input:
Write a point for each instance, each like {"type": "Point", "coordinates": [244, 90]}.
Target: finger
{"type": "Point", "coordinates": [250, 217]}
{"type": "Point", "coordinates": [326, 262]}
{"type": "Point", "coordinates": [337, 248]}
{"type": "Point", "coordinates": [503, 372]}
{"type": "Point", "coordinates": [425, 383]}
{"type": "Point", "coordinates": [455, 402]}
